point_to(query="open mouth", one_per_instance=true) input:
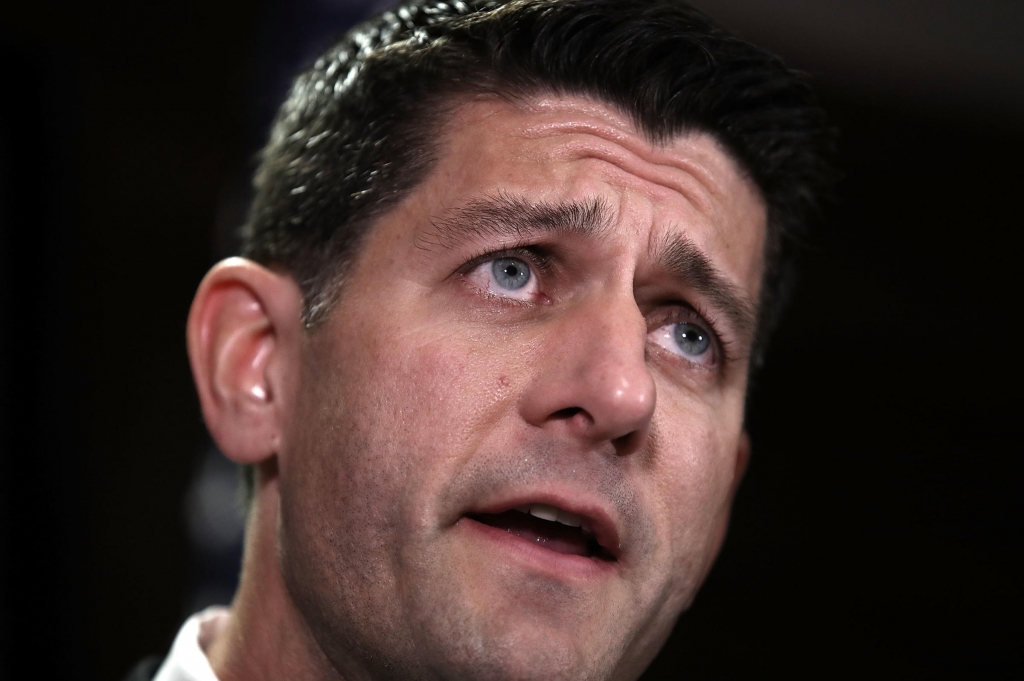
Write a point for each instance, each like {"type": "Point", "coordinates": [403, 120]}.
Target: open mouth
{"type": "Point", "coordinates": [549, 527]}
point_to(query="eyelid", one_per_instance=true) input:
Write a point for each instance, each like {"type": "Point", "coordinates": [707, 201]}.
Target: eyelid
{"type": "Point", "coordinates": [677, 312]}
{"type": "Point", "coordinates": [536, 256]}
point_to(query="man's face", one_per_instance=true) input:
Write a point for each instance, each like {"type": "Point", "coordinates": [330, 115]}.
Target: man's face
{"type": "Point", "coordinates": [554, 324]}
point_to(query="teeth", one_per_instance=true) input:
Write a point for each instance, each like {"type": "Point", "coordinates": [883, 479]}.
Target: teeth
{"type": "Point", "coordinates": [570, 519]}
{"type": "Point", "coordinates": [552, 514]}
{"type": "Point", "coordinates": [544, 512]}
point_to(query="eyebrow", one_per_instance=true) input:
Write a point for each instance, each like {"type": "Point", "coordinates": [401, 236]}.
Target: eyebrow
{"type": "Point", "coordinates": [684, 260]}
{"type": "Point", "coordinates": [503, 215]}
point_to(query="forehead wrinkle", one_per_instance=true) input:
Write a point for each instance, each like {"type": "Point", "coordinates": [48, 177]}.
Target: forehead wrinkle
{"type": "Point", "coordinates": [683, 260]}
{"type": "Point", "coordinates": [504, 215]}
{"type": "Point", "coordinates": [621, 145]}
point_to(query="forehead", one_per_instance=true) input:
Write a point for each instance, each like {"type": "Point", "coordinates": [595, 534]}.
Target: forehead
{"type": "Point", "coordinates": [556, 149]}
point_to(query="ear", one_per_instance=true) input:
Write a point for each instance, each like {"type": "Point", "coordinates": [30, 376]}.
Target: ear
{"type": "Point", "coordinates": [742, 459]}
{"type": "Point", "coordinates": [244, 334]}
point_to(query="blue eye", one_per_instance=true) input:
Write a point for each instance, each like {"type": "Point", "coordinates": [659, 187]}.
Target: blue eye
{"type": "Point", "coordinates": [506, 277]}
{"type": "Point", "coordinates": [510, 273]}
{"type": "Point", "coordinates": [692, 340]}
{"type": "Point", "coordinates": [689, 340]}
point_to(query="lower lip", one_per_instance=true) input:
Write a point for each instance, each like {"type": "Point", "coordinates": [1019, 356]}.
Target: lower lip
{"type": "Point", "coordinates": [562, 566]}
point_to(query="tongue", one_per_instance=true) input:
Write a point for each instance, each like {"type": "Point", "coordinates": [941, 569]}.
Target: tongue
{"type": "Point", "coordinates": [551, 535]}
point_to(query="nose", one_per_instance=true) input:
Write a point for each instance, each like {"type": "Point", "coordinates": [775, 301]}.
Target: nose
{"type": "Point", "coordinates": [592, 378]}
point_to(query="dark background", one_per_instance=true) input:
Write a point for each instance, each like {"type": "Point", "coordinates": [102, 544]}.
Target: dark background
{"type": "Point", "coordinates": [877, 530]}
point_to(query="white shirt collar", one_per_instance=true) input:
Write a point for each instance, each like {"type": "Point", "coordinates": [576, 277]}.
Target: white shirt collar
{"type": "Point", "coordinates": [187, 659]}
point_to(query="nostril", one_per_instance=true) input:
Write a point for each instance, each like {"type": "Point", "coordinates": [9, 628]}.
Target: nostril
{"type": "Point", "coordinates": [566, 413]}
{"type": "Point", "coordinates": [628, 443]}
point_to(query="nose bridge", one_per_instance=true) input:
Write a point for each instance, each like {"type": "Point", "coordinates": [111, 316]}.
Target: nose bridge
{"type": "Point", "coordinates": [598, 378]}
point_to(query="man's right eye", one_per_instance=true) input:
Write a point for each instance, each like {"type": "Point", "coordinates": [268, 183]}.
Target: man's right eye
{"type": "Point", "coordinates": [507, 277]}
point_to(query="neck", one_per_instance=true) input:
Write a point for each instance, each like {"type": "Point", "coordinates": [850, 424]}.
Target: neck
{"type": "Point", "coordinates": [266, 636]}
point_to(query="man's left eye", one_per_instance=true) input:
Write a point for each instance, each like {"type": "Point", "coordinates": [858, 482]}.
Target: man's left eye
{"type": "Point", "coordinates": [508, 277]}
{"type": "Point", "coordinates": [688, 340]}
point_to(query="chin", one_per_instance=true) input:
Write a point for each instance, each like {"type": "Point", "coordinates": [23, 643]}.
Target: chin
{"type": "Point", "coordinates": [495, 637]}
{"type": "Point", "coordinates": [525, 655]}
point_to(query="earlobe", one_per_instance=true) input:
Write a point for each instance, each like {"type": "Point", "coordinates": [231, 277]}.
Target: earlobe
{"type": "Point", "coordinates": [243, 334]}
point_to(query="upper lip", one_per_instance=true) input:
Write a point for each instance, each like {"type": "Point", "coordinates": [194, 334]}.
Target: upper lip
{"type": "Point", "coordinates": [602, 523]}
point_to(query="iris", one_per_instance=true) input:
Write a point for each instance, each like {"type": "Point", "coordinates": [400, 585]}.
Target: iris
{"type": "Point", "coordinates": [510, 273]}
{"type": "Point", "coordinates": [692, 340]}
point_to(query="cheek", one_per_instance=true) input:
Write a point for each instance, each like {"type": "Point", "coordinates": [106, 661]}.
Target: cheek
{"type": "Point", "coordinates": [695, 468]}
{"type": "Point", "coordinates": [381, 425]}
{"type": "Point", "coordinates": [424, 401]}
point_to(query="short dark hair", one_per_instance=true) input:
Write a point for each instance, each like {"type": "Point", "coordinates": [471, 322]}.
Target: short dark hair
{"type": "Point", "coordinates": [359, 128]}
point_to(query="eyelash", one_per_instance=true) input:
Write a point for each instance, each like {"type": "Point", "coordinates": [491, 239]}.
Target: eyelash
{"type": "Point", "coordinates": [536, 256]}
{"type": "Point", "coordinates": [688, 312]}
